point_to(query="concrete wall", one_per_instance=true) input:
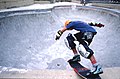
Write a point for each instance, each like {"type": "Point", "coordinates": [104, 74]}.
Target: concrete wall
{"type": "Point", "coordinates": [41, 2]}
{"type": "Point", "coordinates": [6, 4]}
{"type": "Point", "coordinates": [14, 3]}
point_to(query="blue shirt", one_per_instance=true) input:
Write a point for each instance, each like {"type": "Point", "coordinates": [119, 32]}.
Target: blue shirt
{"type": "Point", "coordinates": [80, 26]}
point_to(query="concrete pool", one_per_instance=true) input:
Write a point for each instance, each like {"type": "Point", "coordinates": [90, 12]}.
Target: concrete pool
{"type": "Point", "coordinates": [27, 37]}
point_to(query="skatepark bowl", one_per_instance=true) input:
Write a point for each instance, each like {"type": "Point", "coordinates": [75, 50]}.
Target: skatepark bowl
{"type": "Point", "coordinates": [27, 37]}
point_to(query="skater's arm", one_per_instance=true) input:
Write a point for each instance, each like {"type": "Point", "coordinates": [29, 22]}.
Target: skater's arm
{"type": "Point", "coordinates": [60, 32]}
{"type": "Point", "coordinates": [63, 29]}
{"type": "Point", "coordinates": [96, 24]}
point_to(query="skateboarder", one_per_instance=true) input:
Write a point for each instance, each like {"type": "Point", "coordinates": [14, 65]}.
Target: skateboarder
{"type": "Point", "coordinates": [84, 37]}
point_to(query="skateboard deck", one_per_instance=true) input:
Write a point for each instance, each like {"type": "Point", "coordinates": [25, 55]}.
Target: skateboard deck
{"type": "Point", "coordinates": [82, 71]}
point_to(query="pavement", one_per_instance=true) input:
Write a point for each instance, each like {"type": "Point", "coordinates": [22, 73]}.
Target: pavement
{"type": "Point", "coordinates": [109, 73]}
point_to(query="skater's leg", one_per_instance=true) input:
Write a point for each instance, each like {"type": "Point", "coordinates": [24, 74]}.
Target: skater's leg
{"type": "Point", "coordinates": [86, 52]}
{"type": "Point", "coordinates": [93, 60]}
{"type": "Point", "coordinates": [69, 41]}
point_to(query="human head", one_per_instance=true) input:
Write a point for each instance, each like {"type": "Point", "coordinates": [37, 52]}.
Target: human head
{"type": "Point", "coordinates": [67, 22]}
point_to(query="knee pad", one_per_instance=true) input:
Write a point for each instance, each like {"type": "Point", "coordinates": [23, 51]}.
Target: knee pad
{"type": "Point", "coordinates": [84, 52]}
{"type": "Point", "coordinates": [69, 41]}
{"type": "Point", "coordinates": [67, 44]}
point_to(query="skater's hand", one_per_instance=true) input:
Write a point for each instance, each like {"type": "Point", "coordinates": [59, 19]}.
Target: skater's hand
{"type": "Point", "coordinates": [58, 35]}
{"type": "Point", "coordinates": [96, 24]}
{"type": "Point", "coordinates": [100, 25]}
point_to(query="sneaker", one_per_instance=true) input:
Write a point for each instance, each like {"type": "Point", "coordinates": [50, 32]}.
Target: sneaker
{"type": "Point", "coordinates": [97, 69]}
{"type": "Point", "coordinates": [76, 58]}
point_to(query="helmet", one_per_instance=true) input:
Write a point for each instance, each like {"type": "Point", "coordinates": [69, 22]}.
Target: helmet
{"type": "Point", "coordinates": [67, 22]}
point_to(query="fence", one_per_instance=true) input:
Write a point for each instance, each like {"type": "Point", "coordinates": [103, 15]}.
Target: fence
{"type": "Point", "coordinates": [100, 1]}
{"type": "Point", "coordinates": [84, 1]}
{"type": "Point", "coordinates": [52, 1]}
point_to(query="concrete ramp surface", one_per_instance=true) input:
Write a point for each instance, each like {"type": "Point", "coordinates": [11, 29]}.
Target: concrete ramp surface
{"type": "Point", "coordinates": [109, 73]}
{"type": "Point", "coordinates": [27, 36]}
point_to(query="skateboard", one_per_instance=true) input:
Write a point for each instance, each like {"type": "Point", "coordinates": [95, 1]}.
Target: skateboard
{"type": "Point", "coordinates": [82, 71]}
